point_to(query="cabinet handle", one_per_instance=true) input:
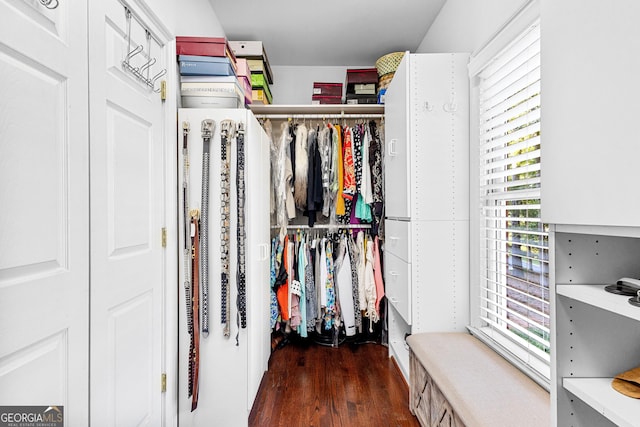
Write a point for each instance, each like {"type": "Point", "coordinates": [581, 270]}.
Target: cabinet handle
{"type": "Point", "coordinates": [263, 252]}
{"type": "Point", "coordinates": [392, 147]}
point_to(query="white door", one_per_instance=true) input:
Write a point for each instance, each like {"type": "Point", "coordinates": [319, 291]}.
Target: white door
{"type": "Point", "coordinates": [127, 211]}
{"type": "Point", "coordinates": [44, 234]}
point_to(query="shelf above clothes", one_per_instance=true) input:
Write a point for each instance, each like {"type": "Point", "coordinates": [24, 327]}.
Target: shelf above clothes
{"type": "Point", "coordinates": [320, 111]}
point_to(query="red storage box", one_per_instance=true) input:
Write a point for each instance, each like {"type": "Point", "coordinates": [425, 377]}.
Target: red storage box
{"type": "Point", "coordinates": [327, 89]}
{"type": "Point", "coordinates": [320, 99]}
{"type": "Point", "coordinates": [362, 75]}
{"type": "Point", "coordinates": [204, 46]}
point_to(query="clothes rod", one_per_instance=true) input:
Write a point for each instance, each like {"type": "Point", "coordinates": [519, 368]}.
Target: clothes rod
{"type": "Point", "coordinates": [319, 116]}
{"type": "Point", "coordinates": [306, 227]}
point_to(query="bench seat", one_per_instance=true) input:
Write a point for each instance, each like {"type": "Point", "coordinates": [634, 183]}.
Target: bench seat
{"type": "Point", "coordinates": [456, 380]}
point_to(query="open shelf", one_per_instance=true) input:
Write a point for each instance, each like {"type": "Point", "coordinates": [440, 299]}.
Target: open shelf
{"type": "Point", "coordinates": [318, 109]}
{"type": "Point", "coordinates": [598, 393]}
{"type": "Point", "coordinates": [596, 296]}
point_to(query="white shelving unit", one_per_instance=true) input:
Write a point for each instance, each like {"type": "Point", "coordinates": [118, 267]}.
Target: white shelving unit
{"type": "Point", "coordinates": [596, 334]}
{"type": "Point", "coordinates": [426, 198]}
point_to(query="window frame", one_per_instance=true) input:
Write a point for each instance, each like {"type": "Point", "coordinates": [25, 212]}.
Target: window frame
{"type": "Point", "coordinates": [523, 20]}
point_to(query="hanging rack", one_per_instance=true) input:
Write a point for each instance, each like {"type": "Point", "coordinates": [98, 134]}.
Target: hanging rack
{"type": "Point", "coordinates": [321, 226]}
{"type": "Point", "coordinates": [319, 116]}
{"type": "Point", "coordinates": [142, 72]}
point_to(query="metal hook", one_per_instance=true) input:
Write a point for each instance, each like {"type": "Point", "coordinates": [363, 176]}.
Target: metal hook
{"type": "Point", "coordinates": [49, 4]}
{"type": "Point", "coordinates": [152, 82]}
{"type": "Point", "coordinates": [148, 64]}
{"type": "Point", "coordinates": [133, 53]}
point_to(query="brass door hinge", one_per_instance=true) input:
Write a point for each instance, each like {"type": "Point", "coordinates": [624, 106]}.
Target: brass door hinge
{"type": "Point", "coordinates": [163, 90]}
{"type": "Point", "coordinates": [164, 237]}
{"type": "Point", "coordinates": [163, 384]}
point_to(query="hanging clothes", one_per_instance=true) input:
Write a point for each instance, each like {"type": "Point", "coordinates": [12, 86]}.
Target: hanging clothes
{"type": "Point", "coordinates": [301, 274]}
{"type": "Point", "coordinates": [288, 171]}
{"type": "Point", "coordinates": [314, 181]}
{"type": "Point", "coordinates": [282, 282]}
{"type": "Point", "coordinates": [310, 288]}
{"type": "Point", "coordinates": [301, 167]}
{"type": "Point", "coordinates": [340, 207]}
{"type": "Point", "coordinates": [345, 287]}
{"type": "Point", "coordinates": [363, 210]}
{"type": "Point", "coordinates": [370, 286]}
{"type": "Point", "coordinates": [330, 308]}
{"type": "Point", "coordinates": [324, 147]}
{"type": "Point", "coordinates": [377, 272]}
{"type": "Point", "coordinates": [353, 256]}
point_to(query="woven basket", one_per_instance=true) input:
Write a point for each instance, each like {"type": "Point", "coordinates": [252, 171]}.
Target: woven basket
{"type": "Point", "coordinates": [389, 63]}
{"type": "Point", "coordinates": [385, 79]}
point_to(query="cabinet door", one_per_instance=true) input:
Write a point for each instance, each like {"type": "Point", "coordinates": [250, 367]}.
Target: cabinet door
{"type": "Point", "coordinates": [397, 173]}
{"type": "Point", "coordinates": [257, 170]}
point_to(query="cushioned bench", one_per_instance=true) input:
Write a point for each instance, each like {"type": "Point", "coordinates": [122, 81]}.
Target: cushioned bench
{"type": "Point", "coordinates": [456, 380]}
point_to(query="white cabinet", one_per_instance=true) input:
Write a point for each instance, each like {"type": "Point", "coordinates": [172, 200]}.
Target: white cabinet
{"type": "Point", "coordinates": [230, 374]}
{"type": "Point", "coordinates": [590, 111]}
{"type": "Point", "coordinates": [596, 334]}
{"type": "Point", "coordinates": [426, 198]}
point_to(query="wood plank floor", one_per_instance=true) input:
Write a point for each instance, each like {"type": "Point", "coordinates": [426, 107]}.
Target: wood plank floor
{"type": "Point", "coordinates": [310, 385]}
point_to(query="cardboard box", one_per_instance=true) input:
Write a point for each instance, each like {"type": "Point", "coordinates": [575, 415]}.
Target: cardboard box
{"type": "Point", "coordinates": [212, 102]}
{"type": "Point", "coordinates": [259, 96]}
{"type": "Point", "coordinates": [361, 99]}
{"type": "Point", "coordinates": [327, 89]}
{"type": "Point", "coordinates": [321, 99]}
{"type": "Point", "coordinates": [204, 46]}
{"type": "Point", "coordinates": [221, 89]}
{"type": "Point", "coordinates": [253, 49]}
{"type": "Point", "coordinates": [191, 65]}
{"type": "Point", "coordinates": [362, 75]}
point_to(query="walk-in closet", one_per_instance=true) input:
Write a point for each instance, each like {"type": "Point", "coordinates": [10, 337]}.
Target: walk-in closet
{"type": "Point", "coordinates": [251, 214]}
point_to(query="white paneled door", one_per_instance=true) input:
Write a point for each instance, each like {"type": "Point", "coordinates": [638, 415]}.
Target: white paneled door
{"type": "Point", "coordinates": [44, 207]}
{"type": "Point", "coordinates": [127, 216]}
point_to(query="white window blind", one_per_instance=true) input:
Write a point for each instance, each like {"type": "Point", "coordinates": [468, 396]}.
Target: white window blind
{"type": "Point", "coordinates": [514, 272]}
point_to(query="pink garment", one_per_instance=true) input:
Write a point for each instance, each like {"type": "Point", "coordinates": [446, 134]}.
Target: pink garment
{"type": "Point", "coordinates": [377, 273]}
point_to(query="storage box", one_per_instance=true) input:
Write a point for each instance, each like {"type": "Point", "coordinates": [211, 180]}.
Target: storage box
{"type": "Point", "coordinates": [260, 96]}
{"type": "Point", "coordinates": [212, 102]}
{"type": "Point", "coordinates": [246, 88]}
{"type": "Point", "coordinates": [242, 68]}
{"type": "Point", "coordinates": [191, 65]}
{"type": "Point", "coordinates": [253, 50]}
{"type": "Point", "coordinates": [321, 99]}
{"type": "Point", "coordinates": [258, 80]}
{"type": "Point", "coordinates": [361, 99]}
{"type": "Point", "coordinates": [204, 46]}
{"type": "Point", "coordinates": [364, 89]}
{"type": "Point", "coordinates": [327, 89]}
{"type": "Point", "coordinates": [221, 89]}
{"type": "Point", "coordinates": [362, 75]}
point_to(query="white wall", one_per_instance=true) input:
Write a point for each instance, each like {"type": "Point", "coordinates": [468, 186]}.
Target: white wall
{"type": "Point", "coordinates": [294, 85]}
{"type": "Point", "coordinates": [464, 26]}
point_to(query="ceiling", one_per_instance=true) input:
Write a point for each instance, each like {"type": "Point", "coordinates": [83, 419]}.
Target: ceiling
{"type": "Point", "coordinates": [331, 32]}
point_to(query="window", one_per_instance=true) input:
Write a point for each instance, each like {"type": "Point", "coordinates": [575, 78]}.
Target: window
{"type": "Point", "coordinates": [512, 307]}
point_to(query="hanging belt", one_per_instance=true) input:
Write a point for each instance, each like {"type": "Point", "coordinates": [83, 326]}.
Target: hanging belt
{"type": "Point", "coordinates": [194, 357]}
{"type": "Point", "coordinates": [186, 247]}
{"type": "Point", "coordinates": [241, 317]}
{"type": "Point", "coordinates": [208, 127]}
{"type": "Point", "coordinates": [227, 132]}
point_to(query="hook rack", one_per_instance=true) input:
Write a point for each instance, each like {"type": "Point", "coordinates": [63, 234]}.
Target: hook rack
{"type": "Point", "coordinates": [142, 73]}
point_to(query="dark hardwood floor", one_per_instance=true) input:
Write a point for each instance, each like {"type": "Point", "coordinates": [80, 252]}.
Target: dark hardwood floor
{"type": "Point", "coordinates": [310, 385]}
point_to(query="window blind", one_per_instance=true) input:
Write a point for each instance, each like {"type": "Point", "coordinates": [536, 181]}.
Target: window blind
{"type": "Point", "coordinates": [514, 256]}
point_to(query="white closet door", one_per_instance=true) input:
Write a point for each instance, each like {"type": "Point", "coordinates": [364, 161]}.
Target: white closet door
{"type": "Point", "coordinates": [127, 210]}
{"type": "Point", "coordinates": [44, 195]}
{"type": "Point", "coordinates": [397, 184]}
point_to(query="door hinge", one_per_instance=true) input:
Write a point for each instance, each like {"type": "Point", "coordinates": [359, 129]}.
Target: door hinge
{"type": "Point", "coordinates": [164, 237]}
{"type": "Point", "coordinates": [163, 90]}
{"type": "Point", "coordinates": [163, 380]}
